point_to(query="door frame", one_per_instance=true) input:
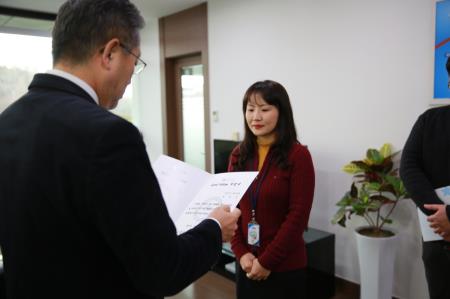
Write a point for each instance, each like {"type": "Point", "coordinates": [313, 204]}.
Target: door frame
{"type": "Point", "coordinates": [174, 119]}
{"type": "Point", "coordinates": [183, 34]}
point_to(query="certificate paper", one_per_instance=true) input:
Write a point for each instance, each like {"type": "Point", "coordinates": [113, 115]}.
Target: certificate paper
{"type": "Point", "coordinates": [191, 193]}
{"type": "Point", "coordinates": [427, 232]}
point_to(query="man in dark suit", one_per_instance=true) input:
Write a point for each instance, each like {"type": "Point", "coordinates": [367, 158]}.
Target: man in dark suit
{"type": "Point", "coordinates": [81, 212]}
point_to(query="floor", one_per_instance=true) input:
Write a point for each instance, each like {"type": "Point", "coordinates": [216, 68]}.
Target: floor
{"type": "Point", "coordinates": [215, 286]}
{"type": "Point", "coordinates": [209, 286]}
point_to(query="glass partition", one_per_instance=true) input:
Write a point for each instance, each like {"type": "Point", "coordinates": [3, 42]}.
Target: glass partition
{"type": "Point", "coordinates": [193, 115]}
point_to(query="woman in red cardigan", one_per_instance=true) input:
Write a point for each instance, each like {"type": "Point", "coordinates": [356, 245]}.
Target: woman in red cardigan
{"type": "Point", "coordinates": [268, 244]}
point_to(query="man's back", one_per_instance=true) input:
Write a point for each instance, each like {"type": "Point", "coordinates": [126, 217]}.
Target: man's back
{"type": "Point", "coordinates": [47, 140]}
{"type": "Point", "coordinates": [81, 213]}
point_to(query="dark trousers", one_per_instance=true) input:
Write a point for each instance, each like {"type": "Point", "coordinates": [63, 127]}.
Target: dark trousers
{"type": "Point", "coordinates": [436, 258]}
{"type": "Point", "coordinates": [279, 285]}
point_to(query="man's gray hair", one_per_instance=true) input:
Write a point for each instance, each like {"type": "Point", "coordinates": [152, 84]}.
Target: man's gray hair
{"type": "Point", "coordinates": [83, 26]}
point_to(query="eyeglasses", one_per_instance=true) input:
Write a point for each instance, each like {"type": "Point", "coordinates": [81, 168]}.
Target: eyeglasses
{"type": "Point", "coordinates": [139, 65]}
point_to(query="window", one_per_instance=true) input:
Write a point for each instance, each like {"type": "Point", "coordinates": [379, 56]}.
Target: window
{"type": "Point", "coordinates": [19, 62]}
{"type": "Point", "coordinates": [26, 49]}
{"type": "Point", "coordinates": [125, 107]}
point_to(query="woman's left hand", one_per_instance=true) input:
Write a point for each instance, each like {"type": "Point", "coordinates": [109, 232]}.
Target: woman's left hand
{"type": "Point", "coordinates": [258, 272]}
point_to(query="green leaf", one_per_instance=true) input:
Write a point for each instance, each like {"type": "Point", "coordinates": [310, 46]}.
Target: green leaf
{"type": "Point", "coordinates": [351, 168]}
{"type": "Point", "coordinates": [374, 156]}
{"type": "Point", "coordinates": [368, 162]}
{"type": "Point", "coordinates": [339, 217]}
{"type": "Point", "coordinates": [402, 190]}
{"type": "Point", "coordinates": [362, 165]}
{"type": "Point", "coordinates": [363, 195]}
{"type": "Point", "coordinates": [373, 186]}
{"type": "Point", "coordinates": [395, 182]}
{"type": "Point", "coordinates": [374, 206]}
{"type": "Point", "coordinates": [386, 150]}
{"type": "Point", "coordinates": [365, 199]}
{"type": "Point", "coordinates": [359, 208]}
{"type": "Point", "coordinates": [345, 201]}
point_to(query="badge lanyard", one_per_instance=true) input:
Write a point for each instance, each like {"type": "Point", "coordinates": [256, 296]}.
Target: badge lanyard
{"type": "Point", "coordinates": [253, 226]}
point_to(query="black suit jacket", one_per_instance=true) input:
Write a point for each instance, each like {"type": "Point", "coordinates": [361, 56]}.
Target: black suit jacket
{"type": "Point", "coordinates": [81, 212]}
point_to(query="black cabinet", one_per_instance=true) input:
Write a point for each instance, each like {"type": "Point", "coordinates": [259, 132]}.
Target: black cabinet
{"type": "Point", "coordinates": [226, 266]}
{"type": "Point", "coordinates": [320, 269]}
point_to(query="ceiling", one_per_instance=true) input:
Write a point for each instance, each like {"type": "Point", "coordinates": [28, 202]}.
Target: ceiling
{"type": "Point", "coordinates": [148, 8]}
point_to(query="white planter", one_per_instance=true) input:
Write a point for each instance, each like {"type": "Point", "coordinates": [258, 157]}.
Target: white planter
{"type": "Point", "coordinates": [376, 265]}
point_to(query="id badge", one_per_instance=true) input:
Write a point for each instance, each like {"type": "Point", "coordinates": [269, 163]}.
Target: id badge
{"type": "Point", "coordinates": [253, 234]}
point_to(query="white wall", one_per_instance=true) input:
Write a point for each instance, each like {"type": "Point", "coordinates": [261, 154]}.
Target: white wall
{"type": "Point", "coordinates": [358, 72]}
{"type": "Point", "coordinates": [148, 110]}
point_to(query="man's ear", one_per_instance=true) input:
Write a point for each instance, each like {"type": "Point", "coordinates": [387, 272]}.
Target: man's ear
{"type": "Point", "coordinates": [109, 51]}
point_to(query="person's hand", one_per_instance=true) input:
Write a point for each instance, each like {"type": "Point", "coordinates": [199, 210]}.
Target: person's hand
{"type": "Point", "coordinates": [258, 272]}
{"type": "Point", "coordinates": [246, 262]}
{"type": "Point", "coordinates": [228, 220]}
{"type": "Point", "coordinates": [439, 221]}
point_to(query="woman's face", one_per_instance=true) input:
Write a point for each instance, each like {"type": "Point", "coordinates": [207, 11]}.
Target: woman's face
{"type": "Point", "coordinates": [261, 117]}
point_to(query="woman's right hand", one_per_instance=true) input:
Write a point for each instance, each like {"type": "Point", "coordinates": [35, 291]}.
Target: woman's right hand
{"type": "Point", "coordinates": [247, 262]}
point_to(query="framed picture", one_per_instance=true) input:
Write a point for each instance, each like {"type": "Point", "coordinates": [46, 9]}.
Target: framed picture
{"type": "Point", "coordinates": [442, 54]}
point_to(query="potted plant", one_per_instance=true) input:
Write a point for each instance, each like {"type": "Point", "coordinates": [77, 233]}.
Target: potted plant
{"type": "Point", "coordinates": [374, 193]}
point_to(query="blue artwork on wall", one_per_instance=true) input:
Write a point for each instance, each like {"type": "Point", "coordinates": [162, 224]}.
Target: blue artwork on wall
{"type": "Point", "coordinates": [442, 52]}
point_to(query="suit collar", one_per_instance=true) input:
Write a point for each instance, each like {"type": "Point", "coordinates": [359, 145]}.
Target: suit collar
{"type": "Point", "coordinates": [49, 81]}
{"type": "Point", "coordinates": [78, 81]}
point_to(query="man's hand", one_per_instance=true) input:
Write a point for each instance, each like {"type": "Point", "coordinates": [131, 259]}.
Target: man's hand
{"type": "Point", "coordinates": [246, 262]}
{"type": "Point", "coordinates": [227, 220]}
{"type": "Point", "coordinates": [258, 272]}
{"type": "Point", "coordinates": [439, 221]}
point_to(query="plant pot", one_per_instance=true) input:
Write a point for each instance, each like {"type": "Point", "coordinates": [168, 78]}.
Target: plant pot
{"type": "Point", "coordinates": [376, 265]}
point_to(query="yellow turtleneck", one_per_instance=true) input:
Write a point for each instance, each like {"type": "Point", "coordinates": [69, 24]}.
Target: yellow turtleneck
{"type": "Point", "coordinates": [264, 144]}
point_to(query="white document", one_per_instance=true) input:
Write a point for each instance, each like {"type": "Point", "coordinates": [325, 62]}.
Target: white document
{"type": "Point", "coordinates": [191, 193]}
{"type": "Point", "coordinates": [427, 232]}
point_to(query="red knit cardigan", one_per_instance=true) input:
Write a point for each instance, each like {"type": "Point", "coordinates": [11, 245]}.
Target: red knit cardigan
{"type": "Point", "coordinates": [282, 211]}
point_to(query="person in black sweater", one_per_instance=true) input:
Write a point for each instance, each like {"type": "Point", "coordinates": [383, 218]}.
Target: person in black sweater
{"type": "Point", "coordinates": [447, 65]}
{"type": "Point", "coordinates": [425, 166]}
